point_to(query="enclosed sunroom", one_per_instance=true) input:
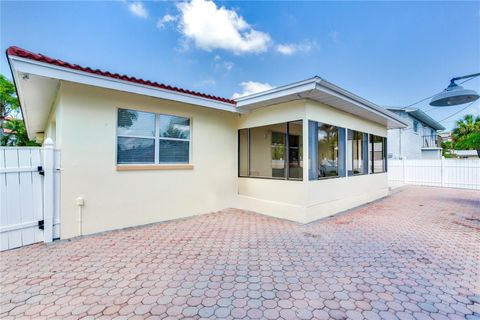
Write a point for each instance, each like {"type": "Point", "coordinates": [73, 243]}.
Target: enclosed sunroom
{"type": "Point", "coordinates": [311, 149]}
{"type": "Point", "coordinates": [154, 152]}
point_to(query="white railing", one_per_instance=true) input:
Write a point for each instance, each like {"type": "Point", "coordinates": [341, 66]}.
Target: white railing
{"type": "Point", "coordinates": [453, 173]}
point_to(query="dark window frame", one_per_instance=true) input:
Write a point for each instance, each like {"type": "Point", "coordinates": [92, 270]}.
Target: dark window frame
{"type": "Point", "coordinates": [372, 155]}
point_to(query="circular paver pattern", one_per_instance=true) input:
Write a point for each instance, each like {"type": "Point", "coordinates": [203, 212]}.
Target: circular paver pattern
{"type": "Point", "coordinates": [391, 259]}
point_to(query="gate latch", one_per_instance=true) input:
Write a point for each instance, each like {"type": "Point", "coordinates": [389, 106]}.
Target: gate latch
{"type": "Point", "coordinates": [40, 170]}
{"type": "Point", "coordinates": [40, 224]}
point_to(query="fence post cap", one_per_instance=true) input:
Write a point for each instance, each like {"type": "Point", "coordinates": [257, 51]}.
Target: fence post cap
{"type": "Point", "coordinates": [48, 143]}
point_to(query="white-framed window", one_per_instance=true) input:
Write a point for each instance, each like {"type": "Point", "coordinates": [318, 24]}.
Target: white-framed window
{"type": "Point", "coordinates": [151, 138]}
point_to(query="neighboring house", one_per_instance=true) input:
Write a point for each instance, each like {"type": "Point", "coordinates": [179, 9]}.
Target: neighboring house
{"type": "Point", "coordinates": [419, 140]}
{"type": "Point", "coordinates": [139, 152]}
{"type": "Point", "coordinates": [445, 136]}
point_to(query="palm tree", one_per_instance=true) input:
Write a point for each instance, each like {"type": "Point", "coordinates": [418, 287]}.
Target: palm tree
{"type": "Point", "coordinates": [466, 134]}
{"type": "Point", "coordinates": [467, 125]}
{"type": "Point", "coordinates": [15, 134]}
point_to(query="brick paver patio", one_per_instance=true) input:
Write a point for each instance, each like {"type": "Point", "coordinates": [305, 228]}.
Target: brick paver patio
{"type": "Point", "coordinates": [413, 255]}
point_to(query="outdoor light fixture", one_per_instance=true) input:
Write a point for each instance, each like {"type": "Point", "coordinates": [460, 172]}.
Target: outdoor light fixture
{"type": "Point", "coordinates": [454, 94]}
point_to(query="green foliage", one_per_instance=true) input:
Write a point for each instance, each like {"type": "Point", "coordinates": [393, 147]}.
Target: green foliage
{"type": "Point", "coordinates": [465, 135]}
{"type": "Point", "coordinates": [13, 129]}
{"type": "Point", "coordinates": [446, 147]}
{"type": "Point", "coordinates": [126, 118]}
{"type": "Point", "coordinates": [470, 141]}
{"type": "Point", "coordinates": [9, 104]}
{"type": "Point", "coordinates": [173, 132]}
{"type": "Point", "coordinates": [16, 134]}
{"type": "Point", "coordinates": [469, 124]}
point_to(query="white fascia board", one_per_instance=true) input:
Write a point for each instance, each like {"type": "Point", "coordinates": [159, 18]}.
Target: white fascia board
{"type": "Point", "coordinates": [305, 87]}
{"type": "Point", "coordinates": [20, 96]}
{"type": "Point", "coordinates": [47, 70]}
{"type": "Point", "coordinates": [294, 88]}
{"type": "Point", "coordinates": [334, 90]}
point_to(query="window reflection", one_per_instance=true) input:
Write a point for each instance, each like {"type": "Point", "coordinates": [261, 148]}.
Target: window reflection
{"type": "Point", "coordinates": [327, 150]}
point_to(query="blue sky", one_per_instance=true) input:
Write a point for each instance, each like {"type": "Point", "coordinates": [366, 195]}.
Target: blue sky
{"type": "Point", "coordinates": [392, 53]}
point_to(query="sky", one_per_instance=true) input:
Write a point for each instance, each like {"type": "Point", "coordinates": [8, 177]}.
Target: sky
{"type": "Point", "coordinates": [391, 53]}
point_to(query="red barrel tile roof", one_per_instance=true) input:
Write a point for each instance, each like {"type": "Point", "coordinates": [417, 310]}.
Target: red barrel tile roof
{"type": "Point", "coordinates": [19, 52]}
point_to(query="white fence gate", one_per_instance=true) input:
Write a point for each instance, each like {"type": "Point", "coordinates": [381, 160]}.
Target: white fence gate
{"type": "Point", "coordinates": [453, 173]}
{"type": "Point", "coordinates": [29, 202]}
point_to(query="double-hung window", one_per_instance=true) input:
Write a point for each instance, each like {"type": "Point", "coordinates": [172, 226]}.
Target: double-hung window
{"type": "Point", "coordinates": [150, 138]}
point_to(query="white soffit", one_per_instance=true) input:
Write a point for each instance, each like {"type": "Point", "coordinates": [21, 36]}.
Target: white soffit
{"type": "Point", "coordinates": [36, 95]}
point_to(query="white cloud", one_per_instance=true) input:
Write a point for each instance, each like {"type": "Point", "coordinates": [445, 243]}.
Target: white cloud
{"type": "Point", "coordinates": [211, 27]}
{"type": "Point", "coordinates": [251, 87]}
{"type": "Point", "coordinates": [289, 49]}
{"type": "Point", "coordinates": [138, 9]}
{"type": "Point", "coordinates": [220, 64]}
{"type": "Point", "coordinates": [165, 20]}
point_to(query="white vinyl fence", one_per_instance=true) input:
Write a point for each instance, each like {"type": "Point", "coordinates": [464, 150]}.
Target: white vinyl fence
{"type": "Point", "coordinates": [453, 173]}
{"type": "Point", "coordinates": [29, 202]}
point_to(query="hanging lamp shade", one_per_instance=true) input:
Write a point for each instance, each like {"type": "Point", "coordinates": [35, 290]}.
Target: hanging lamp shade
{"type": "Point", "coordinates": [453, 95]}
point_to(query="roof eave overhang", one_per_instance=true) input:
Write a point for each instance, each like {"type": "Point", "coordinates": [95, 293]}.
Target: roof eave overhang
{"type": "Point", "coordinates": [425, 118]}
{"type": "Point", "coordinates": [20, 95]}
{"type": "Point", "coordinates": [28, 66]}
{"type": "Point", "coordinates": [309, 89]}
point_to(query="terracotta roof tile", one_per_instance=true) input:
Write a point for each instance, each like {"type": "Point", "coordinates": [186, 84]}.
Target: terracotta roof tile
{"type": "Point", "coordinates": [19, 52]}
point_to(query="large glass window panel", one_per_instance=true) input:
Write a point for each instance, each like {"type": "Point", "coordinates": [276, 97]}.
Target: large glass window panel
{"type": "Point", "coordinates": [377, 152]}
{"type": "Point", "coordinates": [174, 127]}
{"type": "Point", "coordinates": [295, 150]}
{"type": "Point", "coordinates": [267, 151]}
{"type": "Point", "coordinates": [243, 152]}
{"type": "Point", "coordinates": [278, 154]}
{"type": "Point", "coordinates": [273, 151]}
{"type": "Point", "coordinates": [135, 123]}
{"type": "Point", "coordinates": [173, 151]}
{"type": "Point", "coordinates": [135, 150]}
{"type": "Point", "coordinates": [327, 150]}
{"type": "Point", "coordinates": [355, 153]}
{"type": "Point", "coordinates": [134, 145]}
{"type": "Point", "coordinates": [350, 152]}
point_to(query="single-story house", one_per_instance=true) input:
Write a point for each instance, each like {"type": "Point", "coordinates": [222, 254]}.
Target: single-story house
{"type": "Point", "coordinates": [136, 151]}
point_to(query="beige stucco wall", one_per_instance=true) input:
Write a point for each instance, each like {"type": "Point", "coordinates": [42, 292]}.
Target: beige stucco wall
{"type": "Point", "coordinates": [306, 201]}
{"type": "Point", "coordinates": [83, 125]}
{"type": "Point", "coordinates": [116, 199]}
